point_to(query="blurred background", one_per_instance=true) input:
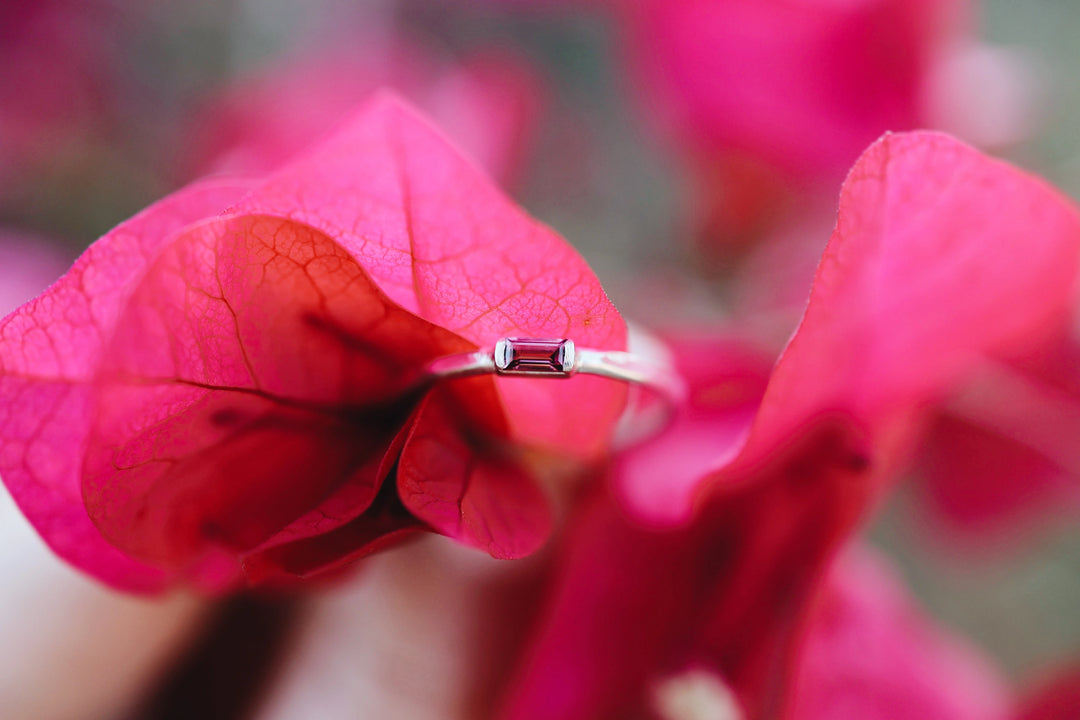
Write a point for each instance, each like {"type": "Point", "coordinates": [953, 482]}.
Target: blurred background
{"type": "Point", "coordinates": [692, 208]}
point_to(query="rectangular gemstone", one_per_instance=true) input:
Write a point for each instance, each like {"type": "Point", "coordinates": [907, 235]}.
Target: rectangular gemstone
{"type": "Point", "coordinates": [534, 356]}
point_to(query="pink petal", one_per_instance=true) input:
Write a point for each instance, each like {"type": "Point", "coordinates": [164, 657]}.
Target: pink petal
{"type": "Point", "coordinates": [324, 549]}
{"type": "Point", "coordinates": [940, 256]}
{"type": "Point", "coordinates": [440, 241]}
{"type": "Point", "coordinates": [870, 653]}
{"type": "Point", "coordinates": [1001, 456]}
{"type": "Point", "coordinates": [363, 515]}
{"type": "Point", "coordinates": [801, 87]}
{"type": "Point", "coordinates": [982, 483]}
{"type": "Point", "coordinates": [48, 354]}
{"type": "Point", "coordinates": [469, 488]}
{"type": "Point", "coordinates": [253, 352]}
{"type": "Point", "coordinates": [658, 479]}
{"type": "Point", "coordinates": [633, 607]}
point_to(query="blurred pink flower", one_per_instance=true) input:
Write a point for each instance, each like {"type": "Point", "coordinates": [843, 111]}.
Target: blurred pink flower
{"type": "Point", "coordinates": [996, 466]}
{"type": "Point", "coordinates": [1000, 458]}
{"type": "Point", "coordinates": [871, 654]}
{"type": "Point", "coordinates": [57, 71]}
{"type": "Point", "coordinates": [218, 389]}
{"type": "Point", "coordinates": [770, 101]}
{"type": "Point", "coordinates": [715, 575]}
{"type": "Point", "coordinates": [489, 104]}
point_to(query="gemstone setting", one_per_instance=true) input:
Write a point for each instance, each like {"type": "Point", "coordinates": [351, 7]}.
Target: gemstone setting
{"type": "Point", "coordinates": [547, 357]}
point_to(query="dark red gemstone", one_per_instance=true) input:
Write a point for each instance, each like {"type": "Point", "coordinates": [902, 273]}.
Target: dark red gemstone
{"type": "Point", "coordinates": [534, 356]}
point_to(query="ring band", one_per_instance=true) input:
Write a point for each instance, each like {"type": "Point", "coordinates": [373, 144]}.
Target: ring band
{"type": "Point", "coordinates": [554, 358]}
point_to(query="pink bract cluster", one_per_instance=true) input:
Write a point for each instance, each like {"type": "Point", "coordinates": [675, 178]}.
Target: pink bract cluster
{"type": "Point", "coordinates": [220, 396]}
{"type": "Point", "coordinates": [282, 320]}
{"type": "Point", "coordinates": [217, 391]}
{"type": "Point", "coordinates": [769, 102]}
{"type": "Point", "coordinates": [488, 104]}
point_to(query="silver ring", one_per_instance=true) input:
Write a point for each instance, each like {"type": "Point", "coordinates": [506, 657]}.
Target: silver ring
{"type": "Point", "coordinates": [560, 358]}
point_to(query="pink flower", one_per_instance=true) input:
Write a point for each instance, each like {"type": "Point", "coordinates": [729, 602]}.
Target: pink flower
{"type": "Point", "coordinates": [869, 653]}
{"type": "Point", "coordinates": [798, 86]}
{"type": "Point", "coordinates": [488, 104]}
{"type": "Point", "coordinates": [941, 257]}
{"type": "Point", "coordinates": [57, 77]}
{"type": "Point", "coordinates": [770, 101]}
{"type": "Point", "coordinates": [218, 386]}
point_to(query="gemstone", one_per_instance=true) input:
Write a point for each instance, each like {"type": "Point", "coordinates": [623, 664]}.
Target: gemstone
{"type": "Point", "coordinates": [534, 356]}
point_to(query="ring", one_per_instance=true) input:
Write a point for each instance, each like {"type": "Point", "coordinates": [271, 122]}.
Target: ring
{"type": "Point", "coordinates": [560, 358]}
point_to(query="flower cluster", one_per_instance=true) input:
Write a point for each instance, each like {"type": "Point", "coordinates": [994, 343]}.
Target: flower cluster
{"type": "Point", "coordinates": [219, 402]}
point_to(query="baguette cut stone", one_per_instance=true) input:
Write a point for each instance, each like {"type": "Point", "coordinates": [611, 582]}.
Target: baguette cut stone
{"type": "Point", "coordinates": [534, 356]}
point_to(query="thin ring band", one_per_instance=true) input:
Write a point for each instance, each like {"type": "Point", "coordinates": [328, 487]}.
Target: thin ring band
{"type": "Point", "coordinates": [555, 358]}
